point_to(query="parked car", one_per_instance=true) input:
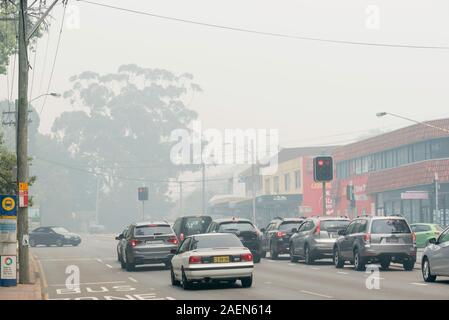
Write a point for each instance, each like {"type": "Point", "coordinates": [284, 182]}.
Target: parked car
{"type": "Point", "coordinates": [315, 238]}
{"type": "Point", "coordinates": [119, 246]}
{"type": "Point", "coordinates": [189, 225]}
{"type": "Point", "coordinates": [276, 236]}
{"type": "Point", "coordinates": [244, 229]}
{"type": "Point", "coordinates": [425, 233]}
{"type": "Point", "coordinates": [146, 243]}
{"type": "Point", "coordinates": [435, 258]}
{"type": "Point", "coordinates": [212, 257]}
{"type": "Point", "coordinates": [53, 235]}
{"type": "Point", "coordinates": [376, 239]}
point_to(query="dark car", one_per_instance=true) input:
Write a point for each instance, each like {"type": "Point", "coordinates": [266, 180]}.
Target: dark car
{"type": "Point", "coordinates": [242, 228]}
{"type": "Point", "coordinates": [190, 225]}
{"type": "Point", "coordinates": [276, 236]}
{"type": "Point", "coordinates": [53, 235]}
{"type": "Point", "coordinates": [146, 243]}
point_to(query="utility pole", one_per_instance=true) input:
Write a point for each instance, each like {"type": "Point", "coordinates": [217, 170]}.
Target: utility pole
{"type": "Point", "coordinates": [324, 198]}
{"type": "Point", "coordinates": [22, 141]}
{"type": "Point", "coordinates": [436, 197]}
{"type": "Point", "coordinates": [180, 197]}
{"type": "Point", "coordinates": [253, 186]}
{"type": "Point", "coordinates": [203, 191]}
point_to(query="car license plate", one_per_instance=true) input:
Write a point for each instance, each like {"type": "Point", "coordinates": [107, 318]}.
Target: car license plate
{"type": "Point", "coordinates": [392, 240]}
{"type": "Point", "coordinates": [154, 242]}
{"type": "Point", "coordinates": [224, 259]}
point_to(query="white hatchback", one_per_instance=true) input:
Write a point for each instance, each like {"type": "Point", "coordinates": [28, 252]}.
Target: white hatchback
{"type": "Point", "coordinates": [212, 257]}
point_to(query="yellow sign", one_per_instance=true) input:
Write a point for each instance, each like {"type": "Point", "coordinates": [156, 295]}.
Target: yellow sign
{"type": "Point", "coordinates": [8, 204]}
{"type": "Point", "coordinates": [23, 186]}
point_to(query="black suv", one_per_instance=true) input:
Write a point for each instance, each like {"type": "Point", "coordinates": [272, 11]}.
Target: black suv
{"type": "Point", "coordinates": [58, 236]}
{"type": "Point", "coordinates": [276, 236]}
{"type": "Point", "coordinates": [244, 229]}
{"type": "Point", "coordinates": [189, 225]}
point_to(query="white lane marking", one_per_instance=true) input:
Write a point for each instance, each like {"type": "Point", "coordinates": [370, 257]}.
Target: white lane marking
{"type": "Point", "coordinates": [170, 298]}
{"type": "Point", "coordinates": [267, 282]}
{"type": "Point", "coordinates": [132, 279]}
{"type": "Point", "coordinates": [316, 294]}
{"type": "Point", "coordinates": [341, 272]}
{"type": "Point", "coordinates": [67, 259]}
{"type": "Point", "coordinates": [99, 260]}
{"type": "Point", "coordinates": [109, 266]}
{"type": "Point", "coordinates": [292, 264]}
{"type": "Point", "coordinates": [418, 284]}
{"type": "Point", "coordinates": [86, 283]}
{"type": "Point", "coordinates": [315, 268]}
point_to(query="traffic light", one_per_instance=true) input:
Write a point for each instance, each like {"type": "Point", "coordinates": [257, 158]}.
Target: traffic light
{"type": "Point", "coordinates": [323, 169]}
{"type": "Point", "coordinates": [142, 193]}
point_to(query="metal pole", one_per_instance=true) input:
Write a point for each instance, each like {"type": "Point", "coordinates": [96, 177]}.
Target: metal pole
{"type": "Point", "coordinates": [22, 142]}
{"type": "Point", "coordinates": [180, 197]}
{"type": "Point", "coordinates": [143, 210]}
{"type": "Point", "coordinates": [324, 198]}
{"type": "Point", "coordinates": [253, 193]}
{"type": "Point", "coordinates": [203, 191]}
{"type": "Point", "coordinates": [96, 202]}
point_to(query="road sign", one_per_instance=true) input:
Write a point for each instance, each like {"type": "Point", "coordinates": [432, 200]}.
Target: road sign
{"type": "Point", "coordinates": [8, 208]}
{"type": "Point", "coordinates": [143, 193]}
{"type": "Point", "coordinates": [23, 186]}
{"type": "Point", "coordinates": [23, 194]}
{"type": "Point", "coordinates": [8, 267]}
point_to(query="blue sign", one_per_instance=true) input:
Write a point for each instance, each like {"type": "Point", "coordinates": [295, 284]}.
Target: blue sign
{"type": "Point", "coordinates": [8, 207]}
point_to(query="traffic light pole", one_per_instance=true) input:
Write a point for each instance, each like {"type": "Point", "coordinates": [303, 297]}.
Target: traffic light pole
{"type": "Point", "coordinates": [324, 198]}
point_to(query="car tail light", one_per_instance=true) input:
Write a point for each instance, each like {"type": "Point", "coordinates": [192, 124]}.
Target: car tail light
{"type": "Point", "coordinates": [367, 237]}
{"type": "Point", "coordinates": [246, 257]}
{"type": "Point", "coordinates": [280, 234]}
{"type": "Point", "coordinates": [414, 237]}
{"type": "Point", "coordinates": [318, 228]}
{"type": "Point", "coordinates": [194, 259]}
{"type": "Point", "coordinates": [181, 237]}
{"type": "Point", "coordinates": [134, 242]}
{"type": "Point", "coordinates": [173, 240]}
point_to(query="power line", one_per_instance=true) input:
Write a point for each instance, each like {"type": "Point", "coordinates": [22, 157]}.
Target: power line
{"type": "Point", "coordinates": [265, 33]}
{"type": "Point", "coordinates": [45, 61]}
{"type": "Point", "coordinates": [55, 57]}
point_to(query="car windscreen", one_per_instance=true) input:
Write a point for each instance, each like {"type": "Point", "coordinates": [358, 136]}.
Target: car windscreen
{"type": "Point", "coordinates": [333, 225]}
{"type": "Point", "coordinates": [236, 226]}
{"type": "Point", "coordinates": [196, 225]}
{"type": "Point", "coordinates": [216, 241]}
{"type": "Point", "coordinates": [390, 226]}
{"type": "Point", "coordinates": [289, 225]}
{"type": "Point", "coordinates": [60, 230]}
{"type": "Point", "coordinates": [152, 230]}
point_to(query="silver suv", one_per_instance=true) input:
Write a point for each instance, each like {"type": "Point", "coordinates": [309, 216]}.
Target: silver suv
{"type": "Point", "coordinates": [376, 239]}
{"type": "Point", "coordinates": [146, 243]}
{"type": "Point", "coordinates": [315, 238]}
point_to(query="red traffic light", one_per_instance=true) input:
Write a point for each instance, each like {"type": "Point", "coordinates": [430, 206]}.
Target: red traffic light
{"type": "Point", "coordinates": [320, 162]}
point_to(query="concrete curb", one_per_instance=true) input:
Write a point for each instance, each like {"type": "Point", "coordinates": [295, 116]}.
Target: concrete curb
{"type": "Point", "coordinates": [38, 278]}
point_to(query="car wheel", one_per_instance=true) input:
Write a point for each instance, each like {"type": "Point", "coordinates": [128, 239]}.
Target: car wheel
{"type": "Point", "coordinates": [385, 264]}
{"type": "Point", "coordinates": [129, 266]}
{"type": "Point", "coordinates": [256, 258]}
{"type": "Point", "coordinates": [32, 242]}
{"type": "Point", "coordinates": [247, 282]}
{"type": "Point", "coordinates": [59, 243]}
{"type": "Point", "coordinates": [426, 272]}
{"type": "Point", "coordinates": [273, 253]}
{"type": "Point", "coordinates": [174, 282]}
{"type": "Point", "coordinates": [186, 284]}
{"type": "Point", "coordinates": [408, 265]}
{"type": "Point", "coordinates": [308, 259]}
{"type": "Point", "coordinates": [359, 263]}
{"type": "Point", "coordinates": [338, 261]}
{"type": "Point", "coordinates": [293, 258]}
{"type": "Point", "coordinates": [263, 254]}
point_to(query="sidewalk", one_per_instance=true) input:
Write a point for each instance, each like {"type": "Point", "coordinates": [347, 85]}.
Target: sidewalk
{"type": "Point", "coordinates": [25, 291]}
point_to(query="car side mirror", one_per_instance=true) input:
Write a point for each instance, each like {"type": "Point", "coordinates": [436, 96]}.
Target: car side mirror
{"type": "Point", "coordinates": [294, 230]}
{"type": "Point", "coordinates": [262, 230]}
{"type": "Point", "coordinates": [119, 237]}
{"type": "Point", "coordinates": [342, 232]}
{"type": "Point", "coordinates": [433, 241]}
{"type": "Point", "coordinates": [173, 251]}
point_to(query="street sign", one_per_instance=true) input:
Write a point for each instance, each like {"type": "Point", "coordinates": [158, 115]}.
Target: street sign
{"type": "Point", "coordinates": [8, 207]}
{"type": "Point", "coordinates": [8, 268]}
{"type": "Point", "coordinates": [23, 194]}
{"type": "Point", "coordinates": [143, 193]}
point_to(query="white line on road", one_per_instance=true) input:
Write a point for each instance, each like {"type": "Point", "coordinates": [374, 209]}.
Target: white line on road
{"type": "Point", "coordinates": [132, 279]}
{"type": "Point", "coordinates": [341, 272]}
{"type": "Point", "coordinates": [292, 264]}
{"type": "Point", "coordinates": [315, 268]}
{"type": "Point", "coordinates": [316, 294]}
{"type": "Point", "coordinates": [418, 284]}
{"type": "Point", "coordinates": [86, 283]}
{"type": "Point", "coordinates": [99, 260]}
{"type": "Point", "coordinates": [267, 282]}
{"type": "Point", "coordinates": [170, 298]}
{"type": "Point", "coordinates": [109, 266]}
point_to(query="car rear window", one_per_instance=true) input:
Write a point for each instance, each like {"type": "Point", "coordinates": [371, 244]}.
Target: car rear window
{"type": "Point", "coordinates": [289, 225]}
{"type": "Point", "coordinates": [196, 225]}
{"type": "Point", "coordinates": [236, 226]}
{"type": "Point", "coordinates": [151, 230]}
{"type": "Point", "coordinates": [333, 225]}
{"type": "Point", "coordinates": [216, 241]}
{"type": "Point", "coordinates": [390, 226]}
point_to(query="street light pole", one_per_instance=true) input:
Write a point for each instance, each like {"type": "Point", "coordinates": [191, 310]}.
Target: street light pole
{"type": "Point", "coordinates": [382, 114]}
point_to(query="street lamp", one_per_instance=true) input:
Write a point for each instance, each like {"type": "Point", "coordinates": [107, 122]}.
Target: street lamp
{"type": "Point", "coordinates": [53, 94]}
{"type": "Point", "coordinates": [382, 114]}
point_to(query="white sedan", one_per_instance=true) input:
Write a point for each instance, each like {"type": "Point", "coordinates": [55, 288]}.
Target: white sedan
{"type": "Point", "coordinates": [212, 257]}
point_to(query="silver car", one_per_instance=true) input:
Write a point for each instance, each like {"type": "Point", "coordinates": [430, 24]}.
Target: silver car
{"type": "Point", "coordinates": [435, 259]}
{"type": "Point", "coordinates": [376, 239]}
{"type": "Point", "coordinates": [315, 238]}
{"type": "Point", "coordinates": [146, 243]}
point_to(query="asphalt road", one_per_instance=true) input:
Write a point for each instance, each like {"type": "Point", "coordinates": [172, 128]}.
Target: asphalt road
{"type": "Point", "coordinates": [100, 277]}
